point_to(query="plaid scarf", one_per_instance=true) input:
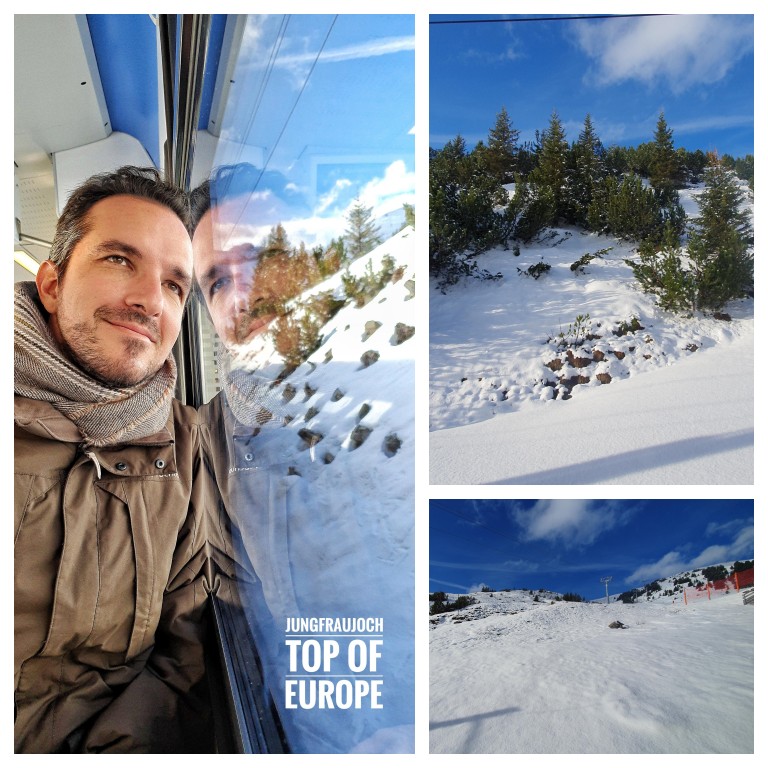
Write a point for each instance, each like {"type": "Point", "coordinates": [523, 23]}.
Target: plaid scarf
{"type": "Point", "coordinates": [254, 400]}
{"type": "Point", "coordinates": [104, 415]}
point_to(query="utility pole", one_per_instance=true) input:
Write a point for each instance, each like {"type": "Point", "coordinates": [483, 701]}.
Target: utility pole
{"type": "Point", "coordinates": [605, 581]}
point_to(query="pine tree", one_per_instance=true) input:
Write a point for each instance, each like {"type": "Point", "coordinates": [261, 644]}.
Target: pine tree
{"type": "Point", "coordinates": [304, 269]}
{"type": "Point", "coordinates": [277, 242]}
{"type": "Point", "coordinates": [630, 208]}
{"type": "Point", "coordinates": [501, 152]}
{"type": "Point", "coordinates": [362, 235]}
{"type": "Point", "coordinates": [745, 169]}
{"type": "Point", "coordinates": [552, 171]}
{"type": "Point", "coordinates": [720, 240]}
{"type": "Point", "coordinates": [616, 160]}
{"type": "Point", "coordinates": [527, 157]}
{"type": "Point", "coordinates": [530, 210]}
{"type": "Point", "coordinates": [665, 174]}
{"type": "Point", "coordinates": [463, 221]}
{"type": "Point", "coordinates": [331, 259]}
{"type": "Point", "coordinates": [695, 164]}
{"type": "Point", "coordinates": [269, 288]}
{"type": "Point", "coordinates": [720, 264]}
{"type": "Point", "coordinates": [282, 273]}
{"type": "Point", "coordinates": [588, 172]}
{"type": "Point", "coordinates": [410, 215]}
{"type": "Point", "coordinates": [665, 171]}
{"type": "Point", "coordinates": [447, 237]}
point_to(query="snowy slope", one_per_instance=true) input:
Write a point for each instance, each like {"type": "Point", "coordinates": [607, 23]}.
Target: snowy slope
{"type": "Point", "coordinates": [332, 503]}
{"type": "Point", "coordinates": [690, 423]}
{"type": "Point", "coordinates": [508, 601]}
{"type": "Point", "coordinates": [513, 675]}
{"type": "Point", "coordinates": [620, 406]}
{"type": "Point", "coordinates": [341, 397]}
{"type": "Point", "coordinates": [678, 679]}
{"type": "Point", "coordinates": [670, 588]}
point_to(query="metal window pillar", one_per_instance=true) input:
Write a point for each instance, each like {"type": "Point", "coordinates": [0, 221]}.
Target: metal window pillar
{"type": "Point", "coordinates": [183, 47]}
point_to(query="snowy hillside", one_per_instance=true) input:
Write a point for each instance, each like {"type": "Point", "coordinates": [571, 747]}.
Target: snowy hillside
{"type": "Point", "coordinates": [333, 516]}
{"type": "Point", "coordinates": [526, 350]}
{"type": "Point", "coordinates": [670, 589]}
{"type": "Point", "coordinates": [554, 677]}
{"type": "Point", "coordinates": [502, 602]}
{"type": "Point", "coordinates": [509, 601]}
{"type": "Point", "coordinates": [352, 400]}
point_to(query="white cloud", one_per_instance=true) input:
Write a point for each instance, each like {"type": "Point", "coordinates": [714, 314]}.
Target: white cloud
{"type": "Point", "coordinates": [330, 197]}
{"type": "Point", "coordinates": [520, 566]}
{"type": "Point", "coordinates": [315, 230]}
{"type": "Point", "coordinates": [569, 522]}
{"type": "Point", "coordinates": [510, 53]}
{"type": "Point", "coordinates": [713, 122]}
{"type": "Point", "coordinates": [683, 51]}
{"type": "Point", "coordinates": [364, 50]}
{"type": "Point", "coordinates": [328, 220]}
{"type": "Point", "coordinates": [461, 588]}
{"type": "Point", "coordinates": [713, 529]}
{"type": "Point", "coordinates": [388, 193]}
{"type": "Point", "coordinates": [617, 132]}
{"type": "Point", "coordinates": [298, 50]}
{"type": "Point", "coordinates": [673, 562]}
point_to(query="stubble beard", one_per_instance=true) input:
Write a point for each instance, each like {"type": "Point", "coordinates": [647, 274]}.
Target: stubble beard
{"type": "Point", "coordinates": [123, 368]}
{"type": "Point", "coordinates": [243, 330]}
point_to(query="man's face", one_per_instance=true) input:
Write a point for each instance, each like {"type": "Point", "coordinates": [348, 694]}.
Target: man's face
{"type": "Point", "coordinates": [240, 290]}
{"type": "Point", "coordinates": [116, 312]}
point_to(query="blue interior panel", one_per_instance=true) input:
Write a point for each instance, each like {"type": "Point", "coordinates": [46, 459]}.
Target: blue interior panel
{"type": "Point", "coordinates": [126, 52]}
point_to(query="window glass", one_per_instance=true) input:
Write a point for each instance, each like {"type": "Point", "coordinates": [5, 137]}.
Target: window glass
{"type": "Point", "coordinates": [304, 255]}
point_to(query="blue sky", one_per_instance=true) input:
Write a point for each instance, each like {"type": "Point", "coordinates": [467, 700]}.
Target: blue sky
{"type": "Point", "coordinates": [326, 105]}
{"type": "Point", "coordinates": [569, 545]}
{"type": "Point", "coordinates": [698, 69]}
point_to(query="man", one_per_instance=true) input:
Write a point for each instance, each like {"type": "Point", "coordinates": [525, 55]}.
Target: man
{"type": "Point", "coordinates": [109, 546]}
{"type": "Point", "coordinates": [245, 288]}
{"type": "Point", "coordinates": [285, 524]}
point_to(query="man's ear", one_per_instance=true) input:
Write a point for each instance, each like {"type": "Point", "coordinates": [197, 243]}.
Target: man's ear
{"type": "Point", "coordinates": [48, 286]}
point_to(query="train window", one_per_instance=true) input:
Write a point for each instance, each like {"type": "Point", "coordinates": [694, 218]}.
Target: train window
{"type": "Point", "coordinates": [294, 136]}
{"type": "Point", "coordinates": [305, 263]}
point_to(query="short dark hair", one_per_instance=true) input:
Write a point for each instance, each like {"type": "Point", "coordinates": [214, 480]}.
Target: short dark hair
{"type": "Point", "coordinates": [147, 183]}
{"type": "Point", "coordinates": [225, 183]}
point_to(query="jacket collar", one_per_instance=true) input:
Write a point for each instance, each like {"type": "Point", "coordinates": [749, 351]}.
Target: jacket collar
{"type": "Point", "coordinates": [40, 418]}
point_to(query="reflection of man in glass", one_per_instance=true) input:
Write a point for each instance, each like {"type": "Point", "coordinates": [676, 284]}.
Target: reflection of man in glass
{"type": "Point", "coordinates": [286, 528]}
{"type": "Point", "coordinates": [225, 278]}
{"type": "Point", "coordinates": [243, 286]}
{"type": "Point", "coordinates": [246, 287]}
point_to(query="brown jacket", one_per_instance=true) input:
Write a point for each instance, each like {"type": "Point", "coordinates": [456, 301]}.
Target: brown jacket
{"type": "Point", "coordinates": [110, 588]}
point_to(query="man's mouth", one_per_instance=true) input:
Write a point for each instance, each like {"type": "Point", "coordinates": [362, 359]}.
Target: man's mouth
{"type": "Point", "coordinates": [250, 327]}
{"type": "Point", "coordinates": [130, 322]}
{"type": "Point", "coordinates": [134, 330]}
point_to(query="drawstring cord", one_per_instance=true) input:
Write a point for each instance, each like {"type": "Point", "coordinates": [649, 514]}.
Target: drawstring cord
{"type": "Point", "coordinates": [92, 456]}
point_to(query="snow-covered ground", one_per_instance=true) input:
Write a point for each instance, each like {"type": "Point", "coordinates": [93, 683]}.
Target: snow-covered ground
{"type": "Point", "coordinates": [552, 677]}
{"type": "Point", "coordinates": [668, 402]}
{"type": "Point", "coordinates": [690, 423]}
{"type": "Point", "coordinates": [329, 517]}
{"type": "Point", "coordinates": [357, 389]}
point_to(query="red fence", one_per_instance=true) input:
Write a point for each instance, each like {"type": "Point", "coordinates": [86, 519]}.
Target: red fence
{"type": "Point", "coordinates": [733, 583]}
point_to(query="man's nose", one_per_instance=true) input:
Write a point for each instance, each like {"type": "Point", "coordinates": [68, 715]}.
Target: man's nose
{"type": "Point", "coordinates": [145, 292]}
{"type": "Point", "coordinates": [241, 291]}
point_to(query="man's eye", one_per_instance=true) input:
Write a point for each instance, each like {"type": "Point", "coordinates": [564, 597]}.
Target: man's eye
{"type": "Point", "coordinates": [217, 285]}
{"type": "Point", "coordinates": [115, 259]}
{"type": "Point", "coordinates": [176, 288]}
